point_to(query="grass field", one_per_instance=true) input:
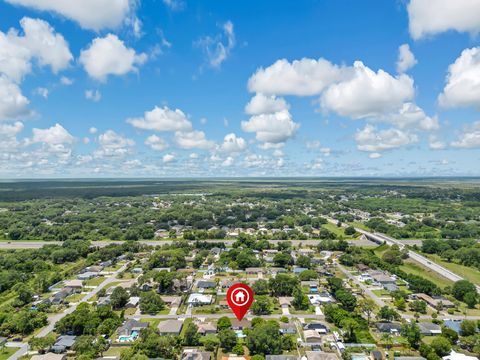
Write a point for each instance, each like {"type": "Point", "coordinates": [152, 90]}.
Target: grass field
{"type": "Point", "coordinates": [5, 353]}
{"type": "Point", "coordinates": [95, 281]}
{"type": "Point", "coordinates": [466, 272]}
{"type": "Point", "coordinates": [412, 267]}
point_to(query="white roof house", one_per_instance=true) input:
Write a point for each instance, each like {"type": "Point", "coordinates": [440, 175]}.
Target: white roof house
{"type": "Point", "coordinates": [458, 356]}
{"type": "Point", "coordinates": [199, 299]}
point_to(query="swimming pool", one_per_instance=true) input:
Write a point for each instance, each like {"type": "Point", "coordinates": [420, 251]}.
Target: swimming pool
{"type": "Point", "coordinates": [128, 338]}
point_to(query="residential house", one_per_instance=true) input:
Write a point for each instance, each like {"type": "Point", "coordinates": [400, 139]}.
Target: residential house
{"type": "Point", "coordinates": [206, 284]}
{"type": "Point", "coordinates": [281, 357]}
{"type": "Point", "coordinates": [458, 356]}
{"type": "Point", "coordinates": [241, 324]}
{"type": "Point", "coordinates": [195, 354]}
{"type": "Point", "coordinates": [63, 343]}
{"type": "Point", "coordinates": [199, 299]}
{"type": "Point", "coordinates": [383, 279]}
{"type": "Point", "coordinates": [320, 355]}
{"type": "Point", "coordinates": [87, 275]}
{"type": "Point", "coordinates": [60, 296]}
{"type": "Point", "coordinates": [170, 327]}
{"type": "Point", "coordinates": [312, 337]}
{"type": "Point", "coordinates": [49, 356]}
{"type": "Point", "coordinates": [74, 284]}
{"type": "Point", "coordinates": [318, 327]}
{"type": "Point", "coordinates": [105, 300]}
{"type": "Point", "coordinates": [285, 302]}
{"type": "Point", "coordinates": [376, 355]}
{"type": "Point", "coordinates": [288, 328]}
{"type": "Point", "coordinates": [436, 302]}
{"type": "Point", "coordinates": [205, 328]}
{"type": "Point", "coordinates": [132, 302]}
{"type": "Point", "coordinates": [253, 271]}
{"type": "Point", "coordinates": [130, 330]}
{"type": "Point", "coordinates": [298, 270]}
{"type": "Point", "coordinates": [428, 329]}
{"type": "Point", "coordinates": [388, 327]}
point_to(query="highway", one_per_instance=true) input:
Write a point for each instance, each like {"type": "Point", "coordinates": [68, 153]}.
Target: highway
{"type": "Point", "coordinates": [381, 238]}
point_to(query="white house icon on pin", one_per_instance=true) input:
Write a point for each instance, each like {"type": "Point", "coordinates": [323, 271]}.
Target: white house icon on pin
{"type": "Point", "coordinates": [240, 297]}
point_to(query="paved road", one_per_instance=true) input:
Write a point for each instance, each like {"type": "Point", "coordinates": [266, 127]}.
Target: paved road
{"type": "Point", "coordinates": [362, 286]}
{"type": "Point", "coordinates": [450, 275]}
{"type": "Point", "coordinates": [52, 320]}
{"type": "Point", "coordinates": [22, 350]}
{"type": "Point", "coordinates": [216, 316]}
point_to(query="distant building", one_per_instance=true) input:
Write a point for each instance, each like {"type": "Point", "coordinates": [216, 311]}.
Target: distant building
{"type": "Point", "coordinates": [429, 329]}
{"type": "Point", "coordinates": [195, 354]}
{"type": "Point", "coordinates": [199, 299]}
{"type": "Point", "coordinates": [63, 343]}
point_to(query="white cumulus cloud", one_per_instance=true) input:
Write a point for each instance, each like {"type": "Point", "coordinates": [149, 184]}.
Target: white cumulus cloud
{"type": "Point", "coordinates": [90, 14]}
{"type": "Point", "coordinates": [162, 119]}
{"type": "Point", "coordinates": [265, 104]}
{"type": "Point", "coordinates": [406, 59]}
{"type": "Point", "coordinates": [192, 140]}
{"type": "Point", "coordinates": [271, 128]}
{"type": "Point", "coordinates": [463, 81]}
{"type": "Point", "coordinates": [368, 93]}
{"type": "Point", "coordinates": [112, 144]}
{"type": "Point", "coordinates": [233, 144]}
{"type": "Point", "coordinates": [431, 17]}
{"type": "Point", "coordinates": [109, 56]}
{"type": "Point", "coordinates": [305, 77]}
{"type": "Point", "coordinates": [156, 143]}
{"type": "Point", "coordinates": [167, 158]}
{"type": "Point", "coordinates": [470, 138]}
{"type": "Point", "coordinates": [372, 140]}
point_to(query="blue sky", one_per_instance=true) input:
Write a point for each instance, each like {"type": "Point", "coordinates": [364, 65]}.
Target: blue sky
{"type": "Point", "coordinates": [171, 88]}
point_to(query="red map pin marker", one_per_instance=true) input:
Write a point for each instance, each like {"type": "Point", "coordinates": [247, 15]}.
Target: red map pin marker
{"type": "Point", "coordinates": [239, 298]}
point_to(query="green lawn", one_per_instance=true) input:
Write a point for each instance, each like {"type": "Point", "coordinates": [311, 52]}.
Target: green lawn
{"type": "Point", "coordinates": [339, 231]}
{"type": "Point", "coordinates": [5, 353]}
{"type": "Point", "coordinates": [75, 298]}
{"type": "Point", "coordinates": [412, 267]}
{"type": "Point", "coordinates": [467, 272]}
{"type": "Point", "coordinates": [95, 281]}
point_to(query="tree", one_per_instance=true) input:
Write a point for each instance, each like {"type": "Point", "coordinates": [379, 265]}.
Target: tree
{"type": "Point", "coordinates": [350, 230]}
{"type": "Point", "coordinates": [24, 293]}
{"type": "Point", "coordinates": [387, 340]}
{"type": "Point", "coordinates": [304, 262]}
{"type": "Point", "coordinates": [471, 299]}
{"type": "Point", "coordinates": [367, 306]}
{"type": "Point", "coordinates": [468, 327]}
{"type": "Point", "coordinates": [260, 287]}
{"type": "Point", "coordinates": [265, 339]}
{"type": "Point", "coordinates": [461, 288]}
{"type": "Point", "coordinates": [84, 345]}
{"type": "Point", "coordinates": [228, 339]}
{"type": "Point", "coordinates": [418, 306]}
{"type": "Point", "coordinates": [400, 304]}
{"type": "Point", "coordinates": [412, 333]}
{"type": "Point", "coordinates": [282, 259]}
{"type": "Point", "coordinates": [308, 275]}
{"type": "Point", "coordinates": [191, 336]}
{"type": "Point", "coordinates": [151, 303]}
{"type": "Point", "coordinates": [346, 298]}
{"type": "Point", "coordinates": [441, 346]}
{"type": "Point", "coordinates": [349, 326]}
{"type": "Point", "coordinates": [388, 314]}
{"type": "Point", "coordinates": [42, 343]}
{"type": "Point", "coordinates": [238, 349]}
{"type": "Point", "coordinates": [210, 342]}
{"type": "Point", "coordinates": [300, 300]}
{"type": "Point", "coordinates": [224, 323]}
{"type": "Point", "coordinates": [283, 284]}
{"type": "Point", "coordinates": [261, 306]}
{"type": "Point", "coordinates": [119, 297]}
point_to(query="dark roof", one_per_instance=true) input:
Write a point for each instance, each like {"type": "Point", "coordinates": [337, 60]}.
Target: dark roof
{"type": "Point", "coordinates": [386, 326]}
{"type": "Point", "coordinates": [315, 326]}
{"type": "Point", "coordinates": [130, 325]}
{"type": "Point", "coordinates": [66, 341]}
{"type": "Point", "coordinates": [207, 284]}
{"type": "Point", "coordinates": [281, 357]}
{"type": "Point", "coordinates": [377, 355]}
